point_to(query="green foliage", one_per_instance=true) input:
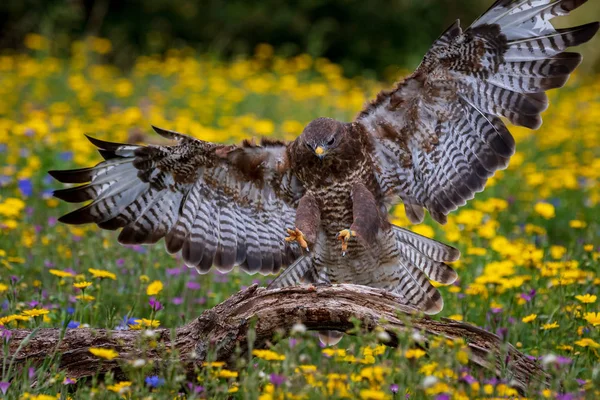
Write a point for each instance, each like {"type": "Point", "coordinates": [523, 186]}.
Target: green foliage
{"type": "Point", "coordinates": [529, 242]}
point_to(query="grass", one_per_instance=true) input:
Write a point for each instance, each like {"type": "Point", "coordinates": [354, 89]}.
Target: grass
{"type": "Point", "coordinates": [529, 270]}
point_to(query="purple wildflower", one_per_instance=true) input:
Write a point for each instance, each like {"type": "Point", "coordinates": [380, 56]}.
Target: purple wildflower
{"type": "Point", "coordinates": [31, 373]}
{"type": "Point", "coordinates": [155, 304]}
{"type": "Point", "coordinates": [69, 381]}
{"type": "Point", "coordinates": [195, 388]}
{"type": "Point", "coordinates": [528, 296]}
{"type": "Point", "coordinates": [394, 388]}
{"type": "Point", "coordinates": [277, 380]}
{"type": "Point", "coordinates": [468, 379]}
{"type": "Point", "coordinates": [193, 285]}
{"type": "Point", "coordinates": [177, 300]}
{"type": "Point", "coordinates": [443, 396]}
{"type": "Point", "coordinates": [5, 334]}
{"type": "Point", "coordinates": [4, 387]}
{"type": "Point", "coordinates": [565, 396]}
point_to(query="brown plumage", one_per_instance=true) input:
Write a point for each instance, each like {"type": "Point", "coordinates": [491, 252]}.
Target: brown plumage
{"type": "Point", "coordinates": [431, 142]}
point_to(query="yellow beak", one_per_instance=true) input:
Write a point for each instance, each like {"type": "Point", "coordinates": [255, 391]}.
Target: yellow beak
{"type": "Point", "coordinates": [319, 151]}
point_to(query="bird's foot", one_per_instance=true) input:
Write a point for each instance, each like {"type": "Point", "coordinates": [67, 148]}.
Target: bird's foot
{"type": "Point", "coordinates": [345, 235]}
{"type": "Point", "coordinates": [295, 235]}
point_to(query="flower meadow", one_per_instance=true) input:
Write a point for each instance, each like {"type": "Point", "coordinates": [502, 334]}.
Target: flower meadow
{"type": "Point", "coordinates": [529, 270]}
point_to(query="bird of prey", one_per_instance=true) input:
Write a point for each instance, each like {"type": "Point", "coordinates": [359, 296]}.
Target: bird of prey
{"type": "Point", "coordinates": [431, 142]}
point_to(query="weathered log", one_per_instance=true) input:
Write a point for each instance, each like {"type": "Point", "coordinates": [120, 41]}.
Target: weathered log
{"type": "Point", "coordinates": [224, 328]}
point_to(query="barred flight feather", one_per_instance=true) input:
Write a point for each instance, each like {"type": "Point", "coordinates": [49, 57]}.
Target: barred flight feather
{"type": "Point", "coordinates": [445, 116]}
{"type": "Point", "coordinates": [186, 194]}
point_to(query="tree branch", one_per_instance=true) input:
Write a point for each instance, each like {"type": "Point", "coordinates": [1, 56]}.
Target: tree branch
{"type": "Point", "coordinates": [225, 327]}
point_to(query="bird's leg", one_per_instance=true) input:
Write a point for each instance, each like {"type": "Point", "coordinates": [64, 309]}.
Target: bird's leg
{"type": "Point", "coordinates": [296, 235]}
{"type": "Point", "coordinates": [308, 220]}
{"type": "Point", "coordinates": [344, 235]}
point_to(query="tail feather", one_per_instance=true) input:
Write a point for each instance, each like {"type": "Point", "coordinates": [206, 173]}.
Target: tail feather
{"type": "Point", "coordinates": [414, 286]}
{"type": "Point", "coordinates": [433, 249]}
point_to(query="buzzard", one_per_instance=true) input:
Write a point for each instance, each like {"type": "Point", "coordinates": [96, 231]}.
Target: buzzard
{"type": "Point", "coordinates": [432, 142]}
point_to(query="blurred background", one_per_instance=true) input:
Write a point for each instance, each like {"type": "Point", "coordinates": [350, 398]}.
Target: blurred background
{"type": "Point", "coordinates": [364, 37]}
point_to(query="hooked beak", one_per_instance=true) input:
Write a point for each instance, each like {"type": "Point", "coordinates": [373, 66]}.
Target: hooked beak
{"type": "Point", "coordinates": [320, 152]}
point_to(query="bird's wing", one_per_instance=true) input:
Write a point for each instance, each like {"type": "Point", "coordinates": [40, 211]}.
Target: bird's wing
{"type": "Point", "coordinates": [438, 134]}
{"type": "Point", "coordinates": [218, 204]}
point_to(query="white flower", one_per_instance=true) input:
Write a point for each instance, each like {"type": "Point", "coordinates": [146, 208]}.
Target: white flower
{"type": "Point", "coordinates": [298, 328]}
{"type": "Point", "coordinates": [140, 362]}
{"type": "Point", "coordinates": [429, 381]}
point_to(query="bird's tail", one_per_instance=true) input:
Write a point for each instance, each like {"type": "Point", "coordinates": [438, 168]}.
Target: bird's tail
{"type": "Point", "coordinates": [419, 259]}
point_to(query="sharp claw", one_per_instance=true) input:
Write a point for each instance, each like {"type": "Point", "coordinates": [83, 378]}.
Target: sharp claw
{"type": "Point", "coordinates": [344, 236]}
{"type": "Point", "coordinates": [295, 235]}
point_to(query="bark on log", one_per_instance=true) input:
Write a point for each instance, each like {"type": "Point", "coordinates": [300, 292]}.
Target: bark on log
{"type": "Point", "coordinates": [225, 327]}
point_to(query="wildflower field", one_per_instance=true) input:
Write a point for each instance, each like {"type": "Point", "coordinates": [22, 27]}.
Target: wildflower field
{"type": "Point", "coordinates": [529, 270]}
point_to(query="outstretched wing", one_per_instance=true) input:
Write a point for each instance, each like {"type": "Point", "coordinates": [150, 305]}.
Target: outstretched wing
{"type": "Point", "coordinates": [218, 204]}
{"type": "Point", "coordinates": [438, 134]}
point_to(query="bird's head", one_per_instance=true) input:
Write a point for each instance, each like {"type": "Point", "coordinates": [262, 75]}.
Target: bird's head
{"type": "Point", "coordinates": [323, 136]}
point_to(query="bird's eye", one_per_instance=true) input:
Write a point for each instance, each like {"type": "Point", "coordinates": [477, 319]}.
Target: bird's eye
{"type": "Point", "coordinates": [331, 141]}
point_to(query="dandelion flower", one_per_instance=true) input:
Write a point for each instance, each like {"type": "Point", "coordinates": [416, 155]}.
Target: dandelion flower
{"type": "Point", "coordinates": [154, 288]}
{"type": "Point", "coordinates": [529, 318]}
{"type": "Point", "coordinates": [107, 354]}
{"type": "Point", "coordinates": [82, 285]}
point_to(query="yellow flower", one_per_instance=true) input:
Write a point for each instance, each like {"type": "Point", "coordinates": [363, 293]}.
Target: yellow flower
{"type": "Point", "coordinates": [145, 323]}
{"type": "Point", "coordinates": [576, 224]}
{"type": "Point", "coordinates": [233, 389]}
{"type": "Point", "coordinates": [225, 373]}
{"type": "Point", "coordinates": [564, 347]}
{"type": "Point", "coordinates": [529, 318]}
{"type": "Point", "coordinates": [372, 394]}
{"type": "Point", "coordinates": [551, 325]}
{"type": "Point", "coordinates": [61, 274]}
{"type": "Point", "coordinates": [154, 288]}
{"type": "Point", "coordinates": [587, 342]}
{"type": "Point", "coordinates": [36, 312]}
{"type": "Point", "coordinates": [107, 354]}
{"type": "Point", "coordinates": [588, 247]}
{"type": "Point", "coordinates": [456, 317]}
{"type": "Point", "coordinates": [268, 355]}
{"type": "Point", "coordinates": [120, 387]}
{"type": "Point", "coordinates": [215, 364]}
{"type": "Point", "coordinates": [463, 357]}
{"type": "Point", "coordinates": [592, 318]}
{"type": "Point", "coordinates": [414, 353]}
{"type": "Point", "coordinates": [99, 273]}
{"type": "Point", "coordinates": [3, 287]}
{"type": "Point", "coordinates": [82, 285]}
{"type": "Point", "coordinates": [476, 251]}
{"type": "Point", "coordinates": [10, 318]}
{"type": "Point", "coordinates": [546, 210]}
{"type": "Point", "coordinates": [85, 297]}
{"type": "Point", "coordinates": [587, 298]}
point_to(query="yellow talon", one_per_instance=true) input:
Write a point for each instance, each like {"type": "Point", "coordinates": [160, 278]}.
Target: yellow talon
{"type": "Point", "coordinates": [295, 235]}
{"type": "Point", "coordinates": [345, 235]}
